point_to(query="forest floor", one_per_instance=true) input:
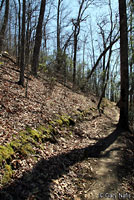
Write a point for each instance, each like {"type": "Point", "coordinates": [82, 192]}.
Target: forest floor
{"type": "Point", "coordinates": [88, 159]}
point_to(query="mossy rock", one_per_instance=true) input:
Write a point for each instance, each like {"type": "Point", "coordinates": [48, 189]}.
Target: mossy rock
{"type": "Point", "coordinates": [67, 120]}
{"type": "Point", "coordinates": [35, 134]}
{"type": "Point", "coordinates": [48, 133]}
{"type": "Point", "coordinates": [63, 120]}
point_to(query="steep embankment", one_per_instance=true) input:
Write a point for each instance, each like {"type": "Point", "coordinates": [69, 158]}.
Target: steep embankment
{"type": "Point", "coordinates": [45, 99]}
{"type": "Point", "coordinates": [68, 154]}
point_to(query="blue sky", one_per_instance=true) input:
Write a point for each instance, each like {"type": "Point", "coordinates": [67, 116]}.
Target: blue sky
{"type": "Point", "coordinates": [96, 14]}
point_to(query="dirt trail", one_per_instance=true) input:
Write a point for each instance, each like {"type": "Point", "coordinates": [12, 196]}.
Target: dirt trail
{"type": "Point", "coordinates": [106, 184]}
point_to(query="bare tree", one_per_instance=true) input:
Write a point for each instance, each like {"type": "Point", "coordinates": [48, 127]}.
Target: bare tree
{"type": "Point", "coordinates": [38, 39]}
{"type": "Point", "coordinates": [4, 25]}
{"type": "Point", "coordinates": [63, 37]}
{"type": "Point", "coordinates": [131, 53]}
{"type": "Point", "coordinates": [58, 34]}
{"type": "Point", "coordinates": [116, 38]}
{"type": "Point", "coordinates": [22, 63]}
{"type": "Point", "coordinates": [83, 5]}
{"type": "Point", "coordinates": [19, 32]}
{"type": "Point", "coordinates": [106, 67]}
{"type": "Point", "coordinates": [123, 121]}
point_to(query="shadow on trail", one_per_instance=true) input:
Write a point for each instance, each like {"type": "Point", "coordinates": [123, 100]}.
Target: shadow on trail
{"type": "Point", "coordinates": [38, 181]}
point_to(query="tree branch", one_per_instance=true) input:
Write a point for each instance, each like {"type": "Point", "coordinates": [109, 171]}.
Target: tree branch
{"type": "Point", "coordinates": [101, 55]}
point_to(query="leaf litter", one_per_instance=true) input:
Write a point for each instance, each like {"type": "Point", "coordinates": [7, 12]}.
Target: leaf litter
{"type": "Point", "coordinates": [45, 100]}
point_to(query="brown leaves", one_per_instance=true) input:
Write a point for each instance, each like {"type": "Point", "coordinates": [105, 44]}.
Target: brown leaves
{"type": "Point", "coordinates": [42, 105]}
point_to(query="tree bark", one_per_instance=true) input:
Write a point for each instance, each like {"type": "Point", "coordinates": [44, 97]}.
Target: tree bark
{"type": "Point", "coordinates": [58, 37]}
{"type": "Point", "coordinates": [19, 32]}
{"type": "Point", "coordinates": [4, 25]}
{"type": "Point", "coordinates": [38, 39]}
{"type": "Point", "coordinates": [22, 63]}
{"type": "Point", "coordinates": [123, 121]}
{"type": "Point", "coordinates": [76, 34]}
{"type": "Point", "coordinates": [1, 5]}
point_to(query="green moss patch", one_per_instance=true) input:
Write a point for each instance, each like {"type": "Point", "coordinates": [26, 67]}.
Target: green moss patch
{"type": "Point", "coordinates": [8, 172]}
{"type": "Point", "coordinates": [6, 153]}
{"type": "Point", "coordinates": [63, 120]}
{"type": "Point", "coordinates": [82, 115]}
{"type": "Point", "coordinates": [27, 141]}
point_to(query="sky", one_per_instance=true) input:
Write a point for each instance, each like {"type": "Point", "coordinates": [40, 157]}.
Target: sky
{"type": "Point", "coordinates": [97, 13]}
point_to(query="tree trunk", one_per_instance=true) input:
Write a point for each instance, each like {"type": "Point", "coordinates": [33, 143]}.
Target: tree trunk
{"type": "Point", "coordinates": [107, 79]}
{"type": "Point", "coordinates": [58, 37]}
{"type": "Point", "coordinates": [74, 58]}
{"type": "Point", "coordinates": [123, 121]}
{"type": "Point", "coordinates": [38, 39]}
{"type": "Point", "coordinates": [19, 33]}
{"type": "Point", "coordinates": [132, 55]}
{"type": "Point", "coordinates": [4, 25]}
{"type": "Point", "coordinates": [22, 63]}
{"type": "Point", "coordinates": [1, 5]}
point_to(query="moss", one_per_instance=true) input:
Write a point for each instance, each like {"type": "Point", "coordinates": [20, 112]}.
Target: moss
{"type": "Point", "coordinates": [47, 133]}
{"type": "Point", "coordinates": [10, 149]}
{"type": "Point", "coordinates": [16, 144]}
{"type": "Point", "coordinates": [50, 128]}
{"type": "Point", "coordinates": [6, 151]}
{"type": "Point", "coordinates": [52, 123]}
{"type": "Point", "coordinates": [59, 122]}
{"type": "Point", "coordinates": [67, 120]}
{"type": "Point", "coordinates": [1, 159]}
{"type": "Point", "coordinates": [35, 134]}
{"type": "Point", "coordinates": [42, 129]}
{"type": "Point", "coordinates": [23, 145]}
{"type": "Point", "coordinates": [27, 129]}
{"type": "Point", "coordinates": [27, 138]}
{"type": "Point", "coordinates": [8, 172]}
{"type": "Point", "coordinates": [70, 133]}
{"type": "Point", "coordinates": [26, 149]}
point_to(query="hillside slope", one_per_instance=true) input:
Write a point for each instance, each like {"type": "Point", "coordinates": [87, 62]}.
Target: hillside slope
{"type": "Point", "coordinates": [63, 138]}
{"type": "Point", "coordinates": [45, 99]}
